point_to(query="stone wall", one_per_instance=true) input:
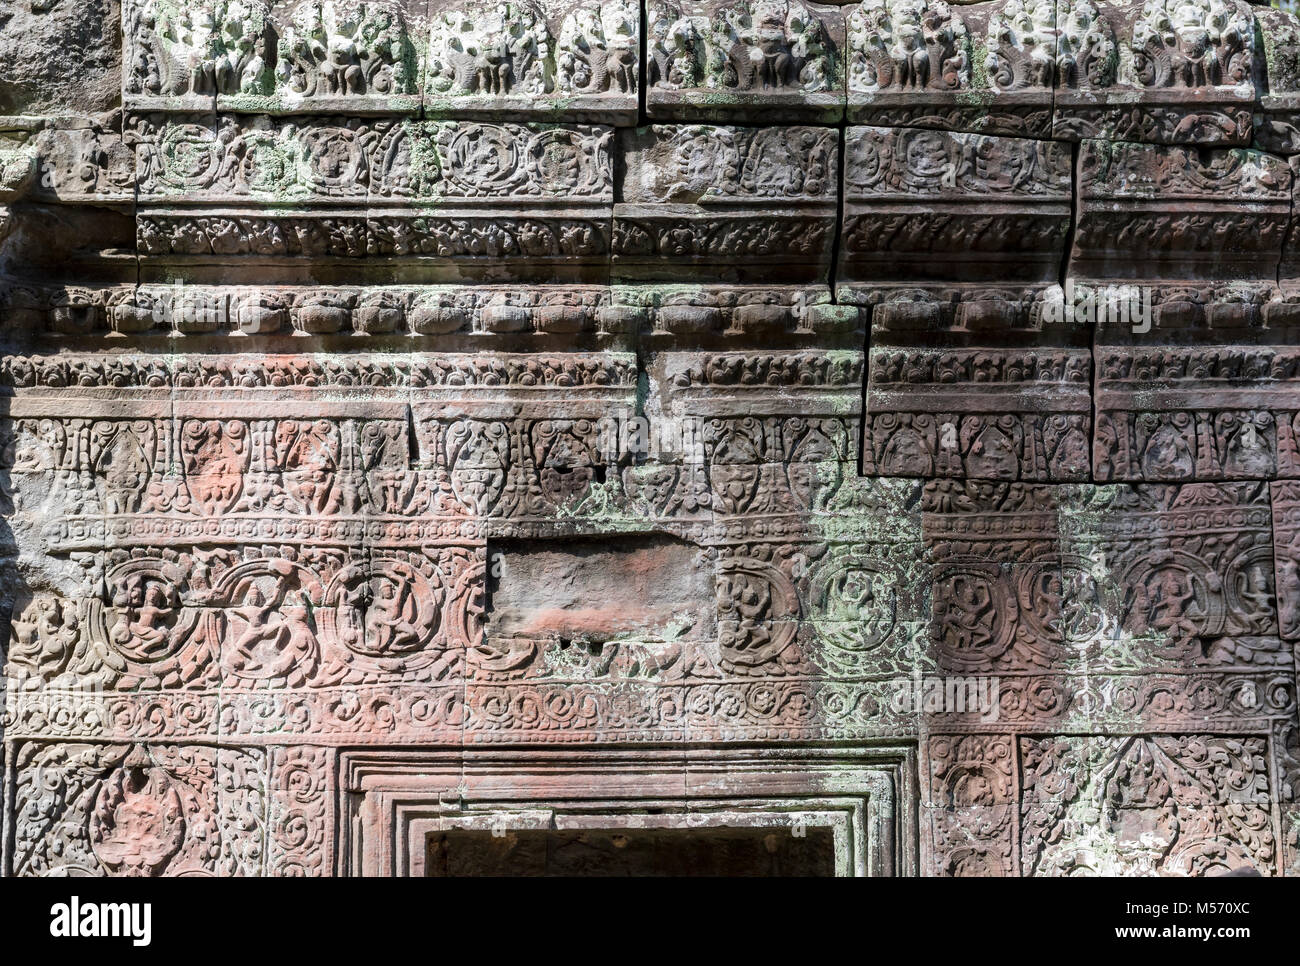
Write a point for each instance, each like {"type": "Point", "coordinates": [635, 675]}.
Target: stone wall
{"type": "Point", "coordinates": [423, 418]}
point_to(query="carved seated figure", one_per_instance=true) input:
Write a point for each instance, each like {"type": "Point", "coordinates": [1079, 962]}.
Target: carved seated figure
{"type": "Point", "coordinates": [910, 57]}
{"type": "Point", "coordinates": [620, 44]}
{"type": "Point", "coordinates": [237, 57]}
{"type": "Point", "coordinates": [344, 74]}
{"type": "Point", "coordinates": [383, 52]}
{"type": "Point", "coordinates": [1193, 61]}
{"type": "Point", "coordinates": [681, 54]}
{"type": "Point", "coordinates": [496, 52]}
{"type": "Point", "coordinates": [774, 65]}
{"type": "Point", "coordinates": [597, 50]}
{"type": "Point", "coordinates": [492, 73]}
{"type": "Point", "coordinates": [146, 614]}
{"type": "Point", "coordinates": [672, 49]}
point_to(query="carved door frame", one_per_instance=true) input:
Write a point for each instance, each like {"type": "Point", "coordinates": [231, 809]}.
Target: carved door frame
{"type": "Point", "coordinates": [392, 801]}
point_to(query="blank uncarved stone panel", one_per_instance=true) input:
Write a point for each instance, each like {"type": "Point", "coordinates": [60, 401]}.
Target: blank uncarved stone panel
{"type": "Point", "coordinates": [60, 56]}
{"type": "Point", "coordinates": [629, 588]}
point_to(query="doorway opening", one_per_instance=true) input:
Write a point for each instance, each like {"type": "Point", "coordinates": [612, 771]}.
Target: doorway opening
{"type": "Point", "coordinates": [745, 852]}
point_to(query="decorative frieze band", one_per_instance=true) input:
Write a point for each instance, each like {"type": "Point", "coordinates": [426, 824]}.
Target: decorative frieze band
{"type": "Point", "coordinates": [1152, 70]}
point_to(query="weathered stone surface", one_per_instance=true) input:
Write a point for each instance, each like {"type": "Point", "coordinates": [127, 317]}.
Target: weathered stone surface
{"type": "Point", "coordinates": [60, 57]}
{"type": "Point", "coordinates": [697, 201]}
{"type": "Point", "coordinates": [1160, 71]}
{"type": "Point", "coordinates": [718, 428]}
{"type": "Point", "coordinates": [1174, 212]}
{"type": "Point", "coordinates": [925, 206]}
{"type": "Point", "coordinates": [994, 414]}
{"type": "Point", "coordinates": [1103, 820]}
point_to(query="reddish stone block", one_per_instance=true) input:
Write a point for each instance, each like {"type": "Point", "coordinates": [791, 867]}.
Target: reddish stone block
{"type": "Point", "coordinates": [991, 414]}
{"type": "Point", "coordinates": [1229, 223]}
{"type": "Point", "coordinates": [935, 206]}
{"type": "Point", "coordinates": [1175, 414]}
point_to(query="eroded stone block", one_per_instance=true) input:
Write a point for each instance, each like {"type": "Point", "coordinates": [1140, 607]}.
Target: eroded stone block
{"type": "Point", "coordinates": [1173, 212]}
{"type": "Point", "coordinates": [1159, 71]}
{"type": "Point", "coordinates": [990, 414]}
{"type": "Point", "coordinates": [1167, 414]}
{"type": "Point", "coordinates": [985, 67]}
{"type": "Point", "coordinates": [60, 57]}
{"type": "Point", "coordinates": [754, 204]}
{"type": "Point", "coordinates": [927, 206]}
{"type": "Point", "coordinates": [286, 55]}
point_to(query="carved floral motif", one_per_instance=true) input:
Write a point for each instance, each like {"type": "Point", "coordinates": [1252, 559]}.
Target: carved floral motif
{"type": "Point", "coordinates": [1168, 805]}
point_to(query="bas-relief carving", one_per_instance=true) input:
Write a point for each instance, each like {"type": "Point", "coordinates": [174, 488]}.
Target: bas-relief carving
{"type": "Point", "coordinates": [1191, 805]}
{"type": "Point", "coordinates": [717, 60]}
{"type": "Point", "coordinates": [1069, 70]}
{"type": "Point", "coordinates": [370, 162]}
{"type": "Point", "coordinates": [696, 203]}
{"type": "Point", "coordinates": [241, 54]}
{"type": "Point", "coordinates": [525, 56]}
{"type": "Point", "coordinates": [557, 58]}
{"type": "Point", "coordinates": [417, 317]}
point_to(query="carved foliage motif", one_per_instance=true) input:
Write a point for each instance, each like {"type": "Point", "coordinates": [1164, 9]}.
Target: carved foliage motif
{"type": "Point", "coordinates": [1166, 805]}
{"type": "Point", "coordinates": [971, 805]}
{"type": "Point", "coordinates": [1125, 195]}
{"type": "Point", "coordinates": [885, 161]}
{"type": "Point", "coordinates": [1136, 170]}
{"type": "Point", "coordinates": [299, 812]}
{"type": "Point", "coordinates": [911, 435]}
{"type": "Point", "coordinates": [140, 810]}
{"type": "Point", "coordinates": [1194, 590]}
{"type": "Point", "coordinates": [375, 161]}
{"type": "Point", "coordinates": [712, 164]}
{"type": "Point", "coordinates": [1163, 805]}
{"type": "Point", "coordinates": [474, 237]}
{"type": "Point", "coordinates": [237, 556]}
{"type": "Point", "coordinates": [1215, 440]}
{"type": "Point", "coordinates": [170, 620]}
